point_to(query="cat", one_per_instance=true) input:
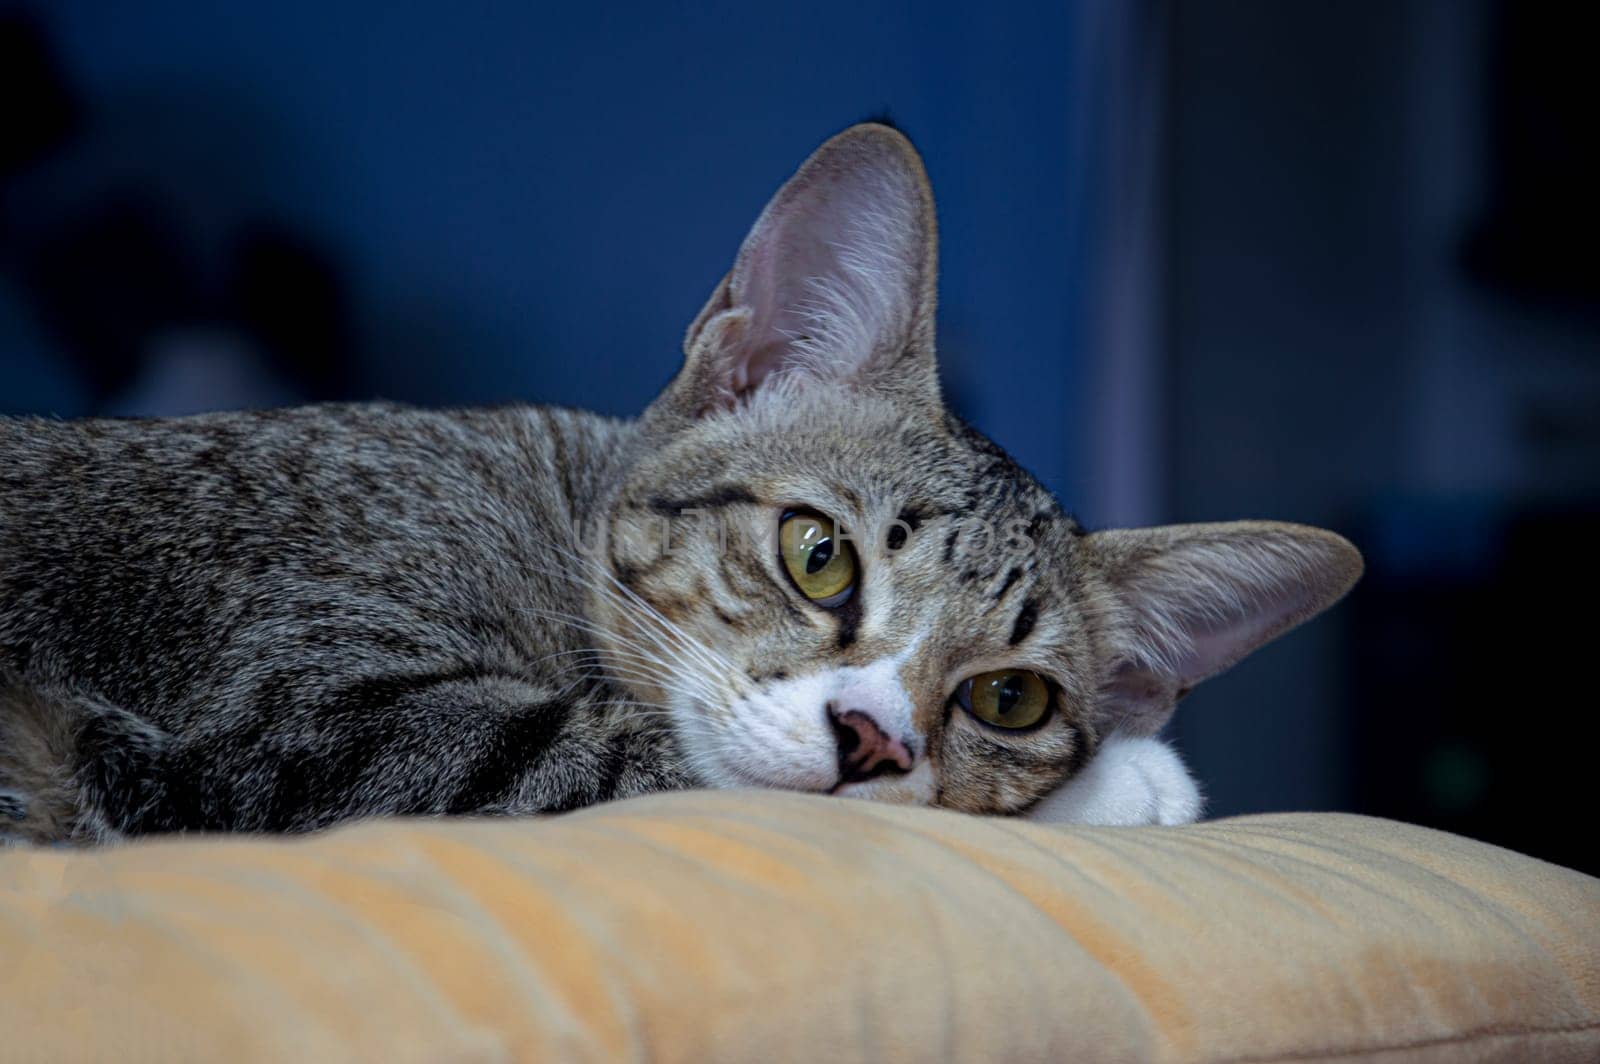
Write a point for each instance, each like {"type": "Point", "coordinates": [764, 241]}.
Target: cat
{"type": "Point", "coordinates": [797, 569]}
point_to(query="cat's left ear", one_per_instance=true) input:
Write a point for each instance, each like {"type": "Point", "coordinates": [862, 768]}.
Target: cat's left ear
{"type": "Point", "coordinates": [835, 282]}
{"type": "Point", "coordinates": [1188, 601]}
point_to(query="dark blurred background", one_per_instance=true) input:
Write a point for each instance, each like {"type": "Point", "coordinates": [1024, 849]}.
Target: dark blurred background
{"type": "Point", "coordinates": [1329, 262]}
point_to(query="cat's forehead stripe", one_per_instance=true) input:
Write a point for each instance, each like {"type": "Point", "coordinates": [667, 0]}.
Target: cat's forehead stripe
{"type": "Point", "coordinates": [715, 498]}
{"type": "Point", "coordinates": [1012, 577]}
{"type": "Point", "coordinates": [1023, 625]}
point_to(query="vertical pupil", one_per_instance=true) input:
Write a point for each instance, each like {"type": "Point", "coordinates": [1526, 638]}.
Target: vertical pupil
{"type": "Point", "coordinates": [1009, 695]}
{"type": "Point", "coordinates": [820, 556]}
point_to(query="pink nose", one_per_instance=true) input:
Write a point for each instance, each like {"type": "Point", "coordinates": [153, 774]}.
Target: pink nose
{"type": "Point", "coordinates": [865, 750]}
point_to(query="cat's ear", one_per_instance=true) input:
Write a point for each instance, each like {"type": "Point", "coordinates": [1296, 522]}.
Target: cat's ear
{"type": "Point", "coordinates": [1191, 600]}
{"type": "Point", "coordinates": [834, 283]}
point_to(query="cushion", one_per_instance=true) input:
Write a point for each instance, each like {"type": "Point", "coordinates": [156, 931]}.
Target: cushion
{"type": "Point", "coordinates": [772, 926]}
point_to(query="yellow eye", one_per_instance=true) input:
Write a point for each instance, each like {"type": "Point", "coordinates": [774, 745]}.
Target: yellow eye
{"type": "Point", "coordinates": [1007, 698]}
{"type": "Point", "coordinates": [822, 567]}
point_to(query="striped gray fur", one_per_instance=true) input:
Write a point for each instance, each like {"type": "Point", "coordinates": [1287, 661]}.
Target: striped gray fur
{"type": "Point", "coordinates": [275, 621]}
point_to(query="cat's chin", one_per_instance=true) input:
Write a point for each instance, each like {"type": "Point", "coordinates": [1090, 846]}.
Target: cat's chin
{"type": "Point", "coordinates": [914, 788]}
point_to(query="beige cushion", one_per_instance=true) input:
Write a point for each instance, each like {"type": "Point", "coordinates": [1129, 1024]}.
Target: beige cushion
{"type": "Point", "coordinates": [739, 926]}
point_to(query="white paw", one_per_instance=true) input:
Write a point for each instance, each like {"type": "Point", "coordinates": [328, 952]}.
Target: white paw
{"type": "Point", "coordinates": [1129, 781]}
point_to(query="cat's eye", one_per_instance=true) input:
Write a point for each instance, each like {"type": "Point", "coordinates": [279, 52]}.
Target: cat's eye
{"type": "Point", "coordinates": [1006, 698]}
{"type": "Point", "coordinates": [821, 565]}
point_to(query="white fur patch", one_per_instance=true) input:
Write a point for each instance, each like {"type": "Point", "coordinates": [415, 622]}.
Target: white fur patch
{"type": "Point", "coordinates": [779, 736]}
{"type": "Point", "coordinates": [1129, 782]}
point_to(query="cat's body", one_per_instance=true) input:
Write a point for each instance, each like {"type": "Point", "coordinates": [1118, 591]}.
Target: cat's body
{"type": "Point", "coordinates": [277, 621]}
{"type": "Point", "coordinates": [293, 617]}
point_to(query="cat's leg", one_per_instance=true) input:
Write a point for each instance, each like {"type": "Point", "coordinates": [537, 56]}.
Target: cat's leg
{"type": "Point", "coordinates": [77, 769]}
{"type": "Point", "coordinates": [1129, 781]}
{"type": "Point", "coordinates": [72, 766]}
{"type": "Point", "coordinates": [412, 745]}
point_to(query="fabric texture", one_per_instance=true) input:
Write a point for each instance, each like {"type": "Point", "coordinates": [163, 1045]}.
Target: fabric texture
{"type": "Point", "coordinates": [770, 926]}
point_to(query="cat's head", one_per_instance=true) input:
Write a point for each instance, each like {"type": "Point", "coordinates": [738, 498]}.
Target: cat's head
{"type": "Point", "coordinates": [969, 643]}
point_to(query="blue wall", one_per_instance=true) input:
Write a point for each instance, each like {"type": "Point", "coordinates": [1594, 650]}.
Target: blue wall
{"type": "Point", "coordinates": [531, 202]}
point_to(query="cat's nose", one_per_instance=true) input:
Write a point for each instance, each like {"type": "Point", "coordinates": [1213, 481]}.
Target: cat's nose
{"type": "Point", "coordinates": [866, 751]}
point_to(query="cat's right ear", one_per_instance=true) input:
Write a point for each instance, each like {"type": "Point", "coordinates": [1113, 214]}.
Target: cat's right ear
{"type": "Point", "coordinates": [1191, 600]}
{"type": "Point", "coordinates": [835, 284]}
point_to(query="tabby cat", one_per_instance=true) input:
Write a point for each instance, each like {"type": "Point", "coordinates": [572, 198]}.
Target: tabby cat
{"type": "Point", "coordinates": [796, 570]}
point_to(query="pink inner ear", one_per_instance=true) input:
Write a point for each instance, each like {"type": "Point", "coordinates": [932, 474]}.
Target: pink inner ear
{"type": "Point", "coordinates": [1219, 644]}
{"type": "Point", "coordinates": [773, 283]}
{"type": "Point", "coordinates": [754, 366]}
{"type": "Point", "coordinates": [1201, 597]}
{"type": "Point", "coordinates": [1137, 700]}
{"type": "Point", "coordinates": [831, 271]}
{"type": "Point", "coordinates": [1187, 642]}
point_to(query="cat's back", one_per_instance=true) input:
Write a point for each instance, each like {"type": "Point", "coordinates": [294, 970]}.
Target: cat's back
{"type": "Point", "coordinates": [142, 558]}
{"type": "Point", "coordinates": [215, 486]}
